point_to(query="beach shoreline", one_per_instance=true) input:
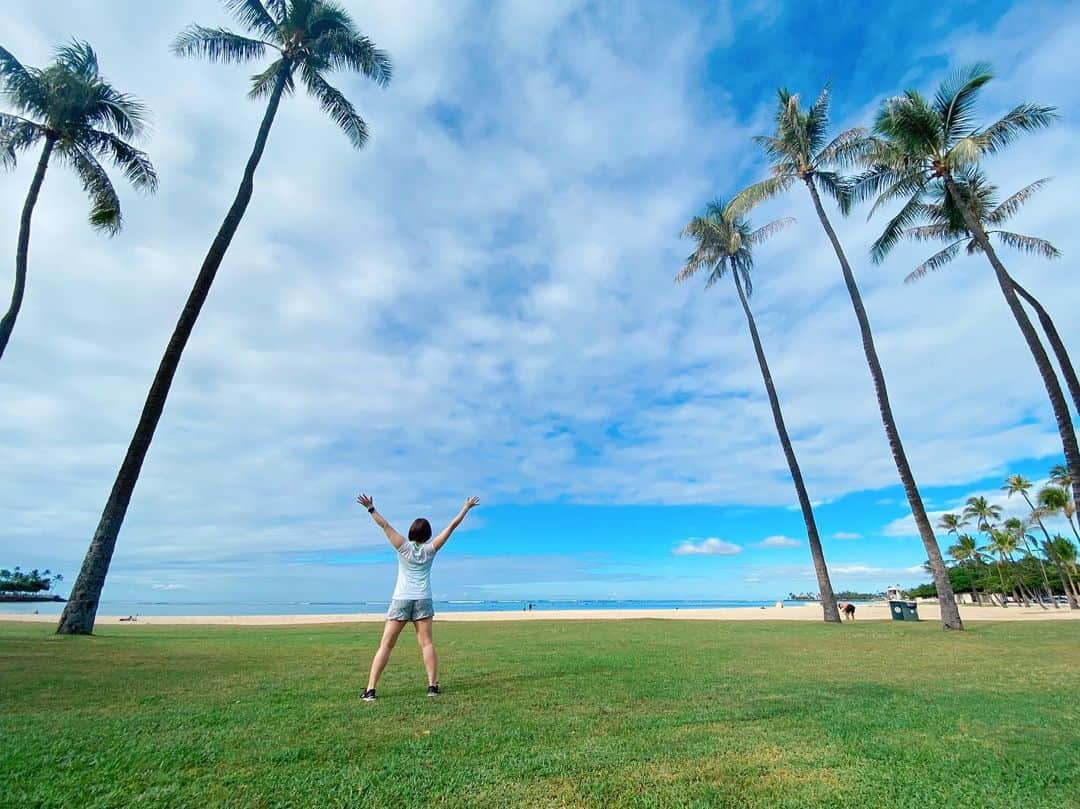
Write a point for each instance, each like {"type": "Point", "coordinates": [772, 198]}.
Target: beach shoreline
{"type": "Point", "coordinates": [805, 612]}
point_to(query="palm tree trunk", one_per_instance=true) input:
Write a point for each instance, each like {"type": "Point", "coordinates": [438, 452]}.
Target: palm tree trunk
{"type": "Point", "coordinates": [1042, 567]}
{"type": "Point", "coordinates": [1004, 590]}
{"type": "Point", "coordinates": [1056, 343]}
{"type": "Point", "coordinates": [1042, 360]}
{"type": "Point", "coordinates": [828, 598]}
{"type": "Point", "coordinates": [81, 609]}
{"type": "Point", "coordinates": [7, 323]}
{"type": "Point", "coordinates": [950, 613]}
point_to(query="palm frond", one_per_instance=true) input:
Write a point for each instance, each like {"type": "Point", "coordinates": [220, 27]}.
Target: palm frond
{"type": "Point", "coordinates": [935, 262]}
{"type": "Point", "coordinates": [904, 185]}
{"type": "Point", "coordinates": [78, 58]}
{"type": "Point", "coordinates": [278, 9]}
{"type": "Point", "coordinates": [1020, 120]}
{"type": "Point", "coordinates": [911, 125]}
{"type": "Point", "coordinates": [351, 51]}
{"type": "Point", "coordinates": [905, 218]}
{"type": "Point", "coordinates": [845, 150]}
{"type": "Point", "coordinates": [766, 232]}
{"type": "Point", "coordinates": [837, 187]}
{"type": "Point", "coordinates": [1027, 244]}
{"type": "Point", "coordinates": [929, 233]}
{"type": "Point", "coordinates": [955, 99]}
{"type": "Point", "coordinates": [253, 15]}
{"type": "Point", "coordinates": [16, 135]}
{"type": "Point", "coordinates": [336, 106]}
{"type": "Point", "coordinates": [23, 86]}
{"type": "Point", "coordinates": [759, 192]}
{"type": "Point", "coordinates": [104, 203]}
{"type": "Point", "coordinates": [327, 17]}
{"type": "Point", "coordinates": [775, 148]}
{"type": "Point", "coordinates": [816, 122]}
{"type": "Point", "coordinates": [1007, 209]}
{"type": "Point", "coordinates": [218, 45]}
{"type": "Point", "coordinates": [262, 84]}
{"type": "Point", "coordinates": [123, 113]}
{"type": "Point", "coordinates": [134, 163]}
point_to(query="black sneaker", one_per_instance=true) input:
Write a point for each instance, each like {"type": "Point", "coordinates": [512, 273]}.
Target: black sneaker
{"type": "Point", "coordinates": [368, 695]}
{"type": "Point", "coordinates": [433, 690]}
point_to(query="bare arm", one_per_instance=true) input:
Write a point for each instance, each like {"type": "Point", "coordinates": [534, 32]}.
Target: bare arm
{"type": "Point", "coordinates": [444, 535]}
{"type": "Point", "coordinates": [396, 539]}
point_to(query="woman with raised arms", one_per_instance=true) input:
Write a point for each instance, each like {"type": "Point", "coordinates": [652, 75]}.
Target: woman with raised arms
{"type": "Point", "coordinates": [412, 595]}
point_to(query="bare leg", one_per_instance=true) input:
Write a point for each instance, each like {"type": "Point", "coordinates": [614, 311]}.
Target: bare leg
{"type": "Point", "coordinates": [427, 647]}
{"type": "Point", "coordinates": [382, 657]}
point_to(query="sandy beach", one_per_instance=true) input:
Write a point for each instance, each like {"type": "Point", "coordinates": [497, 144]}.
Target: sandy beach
{"type": "Point", "coordinates": [803, 612]}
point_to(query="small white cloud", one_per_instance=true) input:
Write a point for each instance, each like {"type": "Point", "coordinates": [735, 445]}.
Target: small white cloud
{"type": "Point", "coordinates": [856, 570]}
{"type": "Point", "coordinates": [707, 547]}
{"type": "Point", "coordinates": [778, 541]}
{"type": "Point", "coordinates": [171, 587]}
{"type": "Point", "coordinates": [846, 535]}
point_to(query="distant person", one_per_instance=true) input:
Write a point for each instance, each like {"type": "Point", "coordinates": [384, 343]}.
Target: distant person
{"type": "Point", "coordinates": [849, 611]}
{"type": "Point", "coordinates": [412, 595]}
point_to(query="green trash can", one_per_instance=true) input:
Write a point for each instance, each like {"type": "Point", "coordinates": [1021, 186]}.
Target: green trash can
{"type": "Point", "coordinates": [904, 610]}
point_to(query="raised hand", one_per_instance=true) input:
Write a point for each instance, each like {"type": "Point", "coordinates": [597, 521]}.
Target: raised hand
{"type": "Point", "coordinates": [365, 500]}
{"type": "Point", "coordinates": [471, 503]}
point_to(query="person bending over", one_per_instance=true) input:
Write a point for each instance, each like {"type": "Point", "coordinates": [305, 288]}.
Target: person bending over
{"type": "Point", "coordinates": [412, 595]}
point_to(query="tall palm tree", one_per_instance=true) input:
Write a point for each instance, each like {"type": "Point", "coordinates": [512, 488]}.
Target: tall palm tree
{"type": "Point", "coordinates": [966, 552]}
{"type": "Point", "coordinates": [1003, 545]}
{"type": "Point", "coordinates": [308, 38]}
{"type": "Point", "coordinates": [1053, 500]}
{"type": "Point", "coordinates": [725, 240]}
{"type": "Point", "coordinates": [944, 222]}
{"type": "Point", "coordinates": [920, 144]}
{"type": "Point", "coordinates": [80, 119]}
{"type": "Point", "coordinates": [1017, 530]}
{"type": "Point", "coordinates": [1018, 484]}
{"type": "Point", "coordinates": [1063, 552]}
{"type": "Point", "coordinates": [1060, 476]}
{"type": "Point", "coordinates": [985, 515]}
{"type": "Point", "coordinates": [800, 151]}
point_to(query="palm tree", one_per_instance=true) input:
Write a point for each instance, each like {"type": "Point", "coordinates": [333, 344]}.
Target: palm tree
{"type": "Point", "coordinates": [1003, 545]}
{"type": "Point", "coordinates": [945, 222]}
{"type": "Point", "coordinates": [1017, 531]}
{"type": "Point", "coordinates": [1053, 500]}
{"type": "Point", "coordinates": [726, 240]}
{"type": "Point", "coordinates": [800, 151]}
{"type": "Point", "coordinates": [81, 119]}
{"type": "Point", "coordinates": [309, 38]}
{"type": "Point", "coordinates": [1059, 476]}
{"type": "Point", "coordinates": [1063, 552]}
{"type": "Point", "coordinates": [923, 148]}
{"type": "Point", "coordinates": [966, 552]}
{"type": "Point", "coordinates": [985, 515]}
{"type": "Point", "coordinates": [1018, 484]}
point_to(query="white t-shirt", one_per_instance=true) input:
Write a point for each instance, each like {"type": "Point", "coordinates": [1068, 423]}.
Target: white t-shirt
{"type": "Point", "coordinates": [414, 570]}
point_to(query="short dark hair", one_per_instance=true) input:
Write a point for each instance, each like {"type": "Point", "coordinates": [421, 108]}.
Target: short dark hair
{"type": "Point", "coordinates": [420, 530]}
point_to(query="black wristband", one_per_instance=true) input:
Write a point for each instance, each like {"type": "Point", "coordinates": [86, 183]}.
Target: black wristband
{"type": "Point", "coordinates": [371, 510]}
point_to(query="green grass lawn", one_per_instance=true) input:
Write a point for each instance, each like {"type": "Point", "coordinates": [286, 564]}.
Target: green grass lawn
{"type": "Point", "coordinates": [635, 713]}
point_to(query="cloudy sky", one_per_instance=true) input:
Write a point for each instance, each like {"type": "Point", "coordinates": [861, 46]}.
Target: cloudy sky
{"type": "Point", "coordinates": [481, 301]}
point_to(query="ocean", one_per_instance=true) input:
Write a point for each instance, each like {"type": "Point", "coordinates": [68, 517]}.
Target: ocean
{"type": "Point", "coordinates": [347, 607]}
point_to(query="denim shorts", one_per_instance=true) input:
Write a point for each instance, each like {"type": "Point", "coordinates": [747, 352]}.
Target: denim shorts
{"type": "Point", "coordinates": [410, 609]}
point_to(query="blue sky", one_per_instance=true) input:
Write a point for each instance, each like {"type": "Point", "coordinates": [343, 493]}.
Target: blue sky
{"type": "Point", "coordinates": [481, 302]}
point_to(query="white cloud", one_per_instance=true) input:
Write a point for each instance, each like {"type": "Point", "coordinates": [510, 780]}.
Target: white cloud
{"type": "Point", "coordinates": [846, 535]}
{"type": "Point", "coordinates": [778, 541]}
{"type": "Point", "coordinates": [707, 547]}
